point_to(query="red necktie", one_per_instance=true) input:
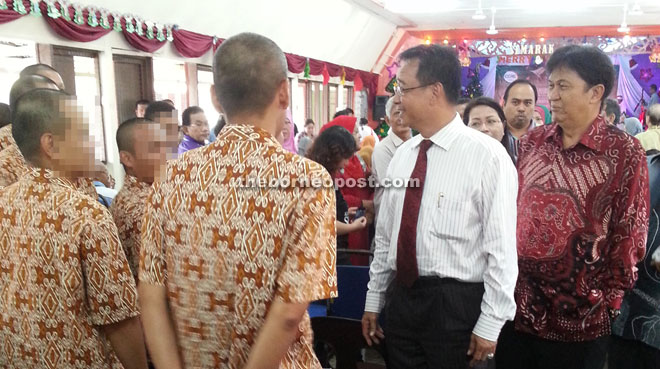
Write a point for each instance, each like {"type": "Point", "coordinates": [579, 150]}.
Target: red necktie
{"type": "Point", "coordinates": [406, 254]}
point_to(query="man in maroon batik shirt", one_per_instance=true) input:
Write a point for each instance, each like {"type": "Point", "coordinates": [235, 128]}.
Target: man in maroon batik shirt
{"type": "Point", "coordinates": [583, 205]}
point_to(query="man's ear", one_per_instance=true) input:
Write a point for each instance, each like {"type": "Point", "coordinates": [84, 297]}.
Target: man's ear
{"type": "Point", "coordinates": [283, 94]}
{"type": "Point", "coordinates": [184, 129]}
{"type": "Point", "coordinates": [127, 159]}
{"type": "Point", "coordinates": [214, 100]}
{"type": "Point", "coordinates": [46, 145]}
{"type": "Point", "coordinates": [597, 93]}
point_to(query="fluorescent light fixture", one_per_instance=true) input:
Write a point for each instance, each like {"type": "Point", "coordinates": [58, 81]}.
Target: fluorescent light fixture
{"type": "Point", "coordinates": [420, 6]}
{"type": "Point", "coordinates": [624, 25]}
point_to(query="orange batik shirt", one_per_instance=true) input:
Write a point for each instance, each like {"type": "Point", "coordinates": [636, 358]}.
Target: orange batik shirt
{"type": "Point", "coordinates": [63, 274]}
{"type": "Point", "coordinates": [127, 209]}
{"type": "Point", "coordinates": [226, 250]}
{"type": "Point", "coordinates": [6, 138]}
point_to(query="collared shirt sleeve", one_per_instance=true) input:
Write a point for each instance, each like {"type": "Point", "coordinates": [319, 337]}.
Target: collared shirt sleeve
{"type": "Point", "coordinates": [380, 273]}
{"type": "Point", "coordinates": [498, 213]}
{"type": "Point", "coordinates": [379, 163]}
{"type": "Point", "coordinates": [630, 227]}
{"type": "Point", "coordinates": [153, 269]}
{"type": "Point", "coordinates": [111, 294]}
{"type": "Point", "coordinates": [309, 270]}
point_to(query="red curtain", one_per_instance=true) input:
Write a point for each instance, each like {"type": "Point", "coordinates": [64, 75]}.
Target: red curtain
{"type": "Point", "coordinates": [71, 30]}
{"type": "Point", "coordinates": [140, 42]}
{"type": "Point", "coordinates": [191, 44]}
{"type": "Point", "coordinates": [9, 15]}
{"type": "Point", "coordinates": [296, 63]}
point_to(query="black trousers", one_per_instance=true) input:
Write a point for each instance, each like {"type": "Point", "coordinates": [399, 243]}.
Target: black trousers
{"type": "Point", "coordinates": [429, 325]}
{"type": "Point", "coordinates": [516, 350]}
{"type": "Point", "coordinates": [627, 354]}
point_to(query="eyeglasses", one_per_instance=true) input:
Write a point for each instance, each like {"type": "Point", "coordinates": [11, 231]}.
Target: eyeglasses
{"type": "Point", "coordinates": [402, 91]}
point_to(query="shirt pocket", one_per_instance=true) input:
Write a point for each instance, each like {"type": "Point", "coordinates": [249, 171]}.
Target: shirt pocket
{"type": "Point", "coordinates": [450, 216]}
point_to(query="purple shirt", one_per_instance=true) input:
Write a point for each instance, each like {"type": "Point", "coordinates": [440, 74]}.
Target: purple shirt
{"type": "Point", "coordinates": [188, 143]}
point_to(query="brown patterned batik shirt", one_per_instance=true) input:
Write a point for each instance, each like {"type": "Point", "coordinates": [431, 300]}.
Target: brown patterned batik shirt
{"type": "Point", "coordinates": [6, 138]}
{"type": "Point", "coordinates": [226, 249]}
{"type": "Point", "coordinates": [63, 274]}
{"type": "Point", "coordinates": [128, 210]}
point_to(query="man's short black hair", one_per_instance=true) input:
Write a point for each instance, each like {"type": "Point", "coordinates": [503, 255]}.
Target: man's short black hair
{"type": "Point", "coordinates": [220, 125]}
{"type": "Point", "coordinates": [185, 117]}
{"type": "Point", "coordinates": [340, 113]}
{"type": "Point", "coordinates": [309, 121]}
{"type": "Point", "coordinates": [126, 134]}
{"type": "Point", "coordinates": [654, 87]}
{"type": "Point", "coordinates": [28, 83]}
{"type": "Point", "coordinates": [589, 62]}
{"type": "Point", "coordinates": [5, 115]}
{"type": "Point", "coordinates": [349, 111]}
{"type": "Point", "coordinates": [437, 64]}
{"type": "Point", "coordinates": [158, 107]}
{"type": "Point", "coordinates": [141, 102]}
{"type": "Point", "coordinates": [483, 101]}
{"type": "Point", "coordinates": [38, 112]}
{"type": "Point", "coordinates": [612, 107]}
{"type": "Point", "coordinates": [518, 82]}
{"type": "Point", "coordinates": [247, 71]}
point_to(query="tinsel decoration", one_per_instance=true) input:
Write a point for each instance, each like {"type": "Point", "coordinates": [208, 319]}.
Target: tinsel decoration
{"type": "Point", "coordinates": [170, 37]}
{"type": "Point", "coordinates": [91, 18]}
{"type": "Point", "coordinates": [52, 10]}
{"type": "Point", "coordinates": [160, 36]}
{"type": "Point", "coordinates": [150, 30]}
{"type": "Point", "coordinates": [138, 27]}
{"type": "Point", "coordinates": [34, 8]}
{"type": "Point", "coordinates": [116, 20]}
{"type": "Point", "coordinates": [19, 7]}
{"type": "Point", "coordinates": [64, 9]}
{"type": "Point", "coordinates": [78, 15]}
{"type": "Point", "coordinates": [343, 76]}
{"type": "Point", "coordinates": [390, 86]}
{"type": "Point", "coordinates": [3, 5]}
{"type": "Point", "coordinates": [104, 22]}
{"type": "Point", "coordinates": [306, 71]}
{"type": "Point", "coordinates": [129, 25]}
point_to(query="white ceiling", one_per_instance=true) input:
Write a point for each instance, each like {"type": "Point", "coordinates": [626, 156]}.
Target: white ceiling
{"type": "Point", "coordinates": [338, 31]}
{"type": "Point", "coordinates": [454, 14]}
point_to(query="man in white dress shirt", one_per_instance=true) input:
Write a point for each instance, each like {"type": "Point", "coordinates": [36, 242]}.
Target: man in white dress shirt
{"type": "Point", "coordinates": [385, 149]}
{"type": "Point", "coordinates": [446, 250]}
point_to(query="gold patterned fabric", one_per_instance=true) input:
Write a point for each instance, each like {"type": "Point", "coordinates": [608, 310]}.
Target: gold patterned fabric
{"type": "Point", "coordinates": [127, 210]}
{"type": "Point", "coordinates": [226, 249]}
{"type": "Point", "coordinates": [6, 138]}
{"type": "Point", "coordinates": [12, 165]}
{"type": "Point", "coordinates": [63, 274]}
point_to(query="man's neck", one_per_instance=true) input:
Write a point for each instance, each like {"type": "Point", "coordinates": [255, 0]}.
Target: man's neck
{"type": "Point", "coordinates": [404, 137]}
{"type": "Point", "coordinates": [267, 122]}
{"type": "Point", "coordinates": [572, 134]}
{"type": "Point", "coordinates": [438, 121]}
{"type": "Point", "coordinates": [518, 132]}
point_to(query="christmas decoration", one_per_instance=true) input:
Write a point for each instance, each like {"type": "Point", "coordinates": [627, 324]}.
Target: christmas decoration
{"type": "Point", "coordinates": [91, 18]}
{"type": "Point", "coordinates": [116, 20]}
{"type": "Point", "coordinates": [474, 88]}
{"type": "Point", "coordinates": [150, 30]}
{"type": "Point", "coordinates": [358, 85]}
{"type": "Point", "coordinates": [52, 10]}
{"type": "Point", "coordinates": [392, 69]}
{"type": "Point", "coordinates": [104, 22]}
{"type": "Point", "coordinates": [326, 75]}
{"type": "Point", "coordinates": [655, 55]}
{"type": "Point", "coordinates": [138, 27]}
{"type": "Point", "coordinates": [633, 64]}
{"type": "Point", "coordinates": [130, 28]}
{"type": "Point", "coordinates": [64, 9]}
{"type": "Point", "coordinates": [3, 5]}
{"type": "Point", "coordinates": [306, 70]}
{"type": "Point", "coordinates": [78, 15]}
{"type": "Point", "coordinates": [390, 86]}
{"type": "Point", "coordinates": [382, 130]}
{"type": "Point", "coordinates": [34, 8]}
{"type": "Point", "coordinates": [160, 36]}
{"type": "Point", "coordinates": [19, 7]}
{"type": "Point", "coordinates": [343, 76]}
{"type": "Point", "coordinates": [645, 74]}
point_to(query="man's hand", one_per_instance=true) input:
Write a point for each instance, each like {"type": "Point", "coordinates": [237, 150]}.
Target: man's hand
{"type": "Point", "coordinates": [359, 223]}
{"type": "Point", "coordinates": [371, 331]}
{"type": "Point", "coordinates": [479, 348]}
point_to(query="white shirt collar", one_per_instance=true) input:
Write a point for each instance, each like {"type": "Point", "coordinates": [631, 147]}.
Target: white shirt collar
{"type": "Point", "coordinates": [446, 136]}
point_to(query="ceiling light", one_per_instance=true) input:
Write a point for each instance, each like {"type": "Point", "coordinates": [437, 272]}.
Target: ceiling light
{"type": "Point", "coordinates": [524, 39]}
{"type": "Point", "coordinates": [446, 42]}
{"type": "Point", "coordinates": [479, 13]}
{"type": "Point", "coordinates": [542, 39]}
{"type": "Point", "coordinates": [636, 9]}
{"type": "Point", "coordinates": [492, 30]}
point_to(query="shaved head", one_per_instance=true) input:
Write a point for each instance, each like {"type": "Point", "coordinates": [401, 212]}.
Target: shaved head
{"type": "Point", "coordinates": [26, 84]}
{"type": "Point", "coordinates": [654, 115]}
{"type": "Point", "coordinates": [45, 71]}
{"type": "Point", "coordinates": [247, 71]}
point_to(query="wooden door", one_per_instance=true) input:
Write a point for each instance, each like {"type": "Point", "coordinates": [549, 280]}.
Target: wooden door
{"type": "Point", "coordinates": [133, 82]}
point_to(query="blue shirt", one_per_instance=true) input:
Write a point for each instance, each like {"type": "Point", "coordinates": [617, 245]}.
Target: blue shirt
{"type": "Point", "coordinates": [187, 144]}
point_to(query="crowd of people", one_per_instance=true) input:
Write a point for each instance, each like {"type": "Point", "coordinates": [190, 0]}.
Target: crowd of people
{"type": "Point", "coordinates": [522, 236]}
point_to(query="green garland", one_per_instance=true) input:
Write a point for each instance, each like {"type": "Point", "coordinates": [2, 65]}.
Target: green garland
{"type": "Point", "coordinates": [116, 23]}
{"type": "Point", "coordinates": [3, 5]}
{"type": "Point", "coordinates": [53, 12]}
{"type": "Point", "coordinates": [34, 8]}
{"type": "Point", "coordinates": [19, 7]}
{"type": "Point", "coordinates": [91, 19]}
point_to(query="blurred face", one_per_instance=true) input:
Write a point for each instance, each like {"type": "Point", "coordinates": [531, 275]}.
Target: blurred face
{"type": "Point", "coordinates": [310, 130]}
{"type": "Point", "coordinates": [286, 131]}
{"type": "Point", "coordinates": [139, 111]}
{"type": "Point", "coordinates": [570, 98]}
{"type": "Point", "coordinates": [73, 152]}
{"type": "Point", "coordinates": [150, 152]}
{"type": "Point", "coordinates": [199, 127]}
{"type": "Point", "coordinates": [397, 125]}
{"type": "Point", "coordinates": [538, 120]}
{"type": "Point", "coordinates": [519, 107]}
{"type": "Point", "coordinates": [356, 134]}
{"type": "Point", "coordinates": [169, 123]}
{"type": "Point", "coordinates": [486, 120]}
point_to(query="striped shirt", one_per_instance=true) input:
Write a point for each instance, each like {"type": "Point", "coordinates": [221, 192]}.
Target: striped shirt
{"type": "Point", "coordinates": [467, 221]}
